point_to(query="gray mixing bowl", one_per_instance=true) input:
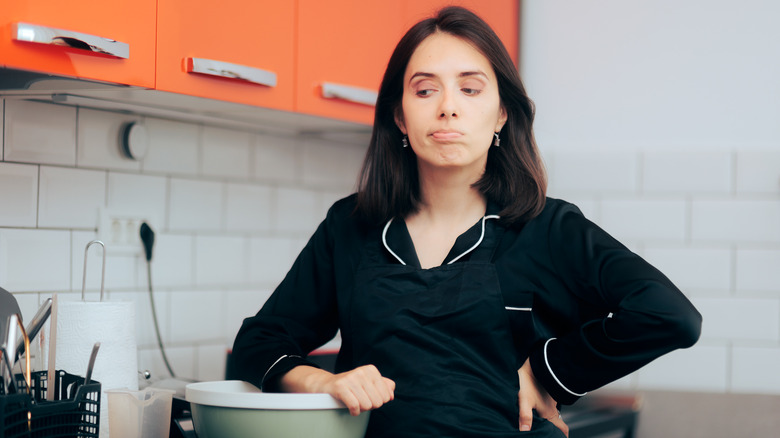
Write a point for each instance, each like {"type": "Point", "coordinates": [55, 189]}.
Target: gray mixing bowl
{"type": "Point", "coordinates": [236, 409]}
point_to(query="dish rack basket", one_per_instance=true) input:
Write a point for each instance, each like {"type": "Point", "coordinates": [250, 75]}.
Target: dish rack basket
{"type": "Point", "coordinates": [74, 411]}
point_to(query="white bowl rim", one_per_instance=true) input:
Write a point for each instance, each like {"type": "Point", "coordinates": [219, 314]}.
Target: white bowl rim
{"type": "Point", "coordinates": [240, 394]}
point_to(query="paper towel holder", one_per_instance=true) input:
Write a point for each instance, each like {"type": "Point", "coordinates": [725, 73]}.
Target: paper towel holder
{"type": "Point", "coordinates": [102, 275]}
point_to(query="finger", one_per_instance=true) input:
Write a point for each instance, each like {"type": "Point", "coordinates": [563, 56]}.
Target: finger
{"type": "Point", "coordinates": [374, 393]}
{"type": "Point", "coordinates": [559, 423]}
{"type": "Point", "coordinates": [350, 401]}
{"type": "Point", "coordinates": [381, 389]}
{"type": "Point", "coordinates": [526, 413]}
{"type": "Point", "coordinates": [390, 384]}
{"type": "Point", "coordinates": [350, 393]}
{"type": "Point", "coordinates": [368, 399]}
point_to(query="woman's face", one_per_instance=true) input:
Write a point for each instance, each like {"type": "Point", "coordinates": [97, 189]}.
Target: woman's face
{"type": "Point", "coordinates": [450, 104]}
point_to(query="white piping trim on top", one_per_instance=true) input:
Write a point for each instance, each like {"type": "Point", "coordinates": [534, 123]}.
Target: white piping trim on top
{"type": "Point", "coordinates": [481, 237]}
{"type": "Point", "coordinates": [522, 309]}
{"type": "Point", "coordinates": [547, 362]}
{"type": "Point", "coordinates": [384, 242]}
{"type": "Point", "coordinates": [274, 364]}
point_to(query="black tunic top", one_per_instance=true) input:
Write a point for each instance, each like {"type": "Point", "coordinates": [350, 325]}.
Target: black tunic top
{"type": "Point", "coordinates": [582, 307]}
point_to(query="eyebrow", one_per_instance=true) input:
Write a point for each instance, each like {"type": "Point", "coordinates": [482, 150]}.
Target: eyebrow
{"type": "Point", "coordinates": [461, 75]}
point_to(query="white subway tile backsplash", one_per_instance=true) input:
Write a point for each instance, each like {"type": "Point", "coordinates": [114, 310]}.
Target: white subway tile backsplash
{"type": "Point", "coordinates": [694, 268]}
{"type": "Point", "coordinates": [758, 172]}
{"type": "Point", "coordinates": [755, 370]}
{"type": "Point", "coordinates": [643, 218]}
{"type": "Point", "coordinates": [331, 164]}
{"type": "Point", "coordinates": [736, 220]}
{"type": "Point", "coordinates": [689, 172]}
{"type": "Point", "coordinates": [758, 270]}
{"type": "Point", "coordinates": [40, 133]}
{"type": "Point", "coordinates": [740, 318]}
{"type": "Point", "coordinates": [220, 260]}
{"type": "Point", "coordinates": [297, 211]}
{"type": "Point", "coordinates": [248, 207]}
{"type": "Point", "coordinates": [270, 258]}
{"type": "Point", "coordinates": [211, 362]}
{"type": "Point", "coordinates": [34, 260]}
{"type": "Point", "coordinates": [195, 205]}
{"type": "Point", "coordinates": [226, 153]}
{"type": "Point", "coordinates": [18, 195]}
{"type": "Point", "coordinates": [142, 196]}
{"type": "Point", "coordinates": [183, 361]}
{"type": "Point", "coordinates": [700, 368]}
{"type": "Point", "coordinates": [149, 359]}
{"type": "Point", "coordinates": [576, 172]}
{"type": "Point", "coordinates": [173, 147]}
{"type": "Point", "coordinates": [173, 260]}
{"type": "Point", "coordinates": [242, 304]}
{"type": "Point", "coordinates": [70, 198]}
{"type": "Point", "coordinates": [196, 316]}
{"type": "Point", "coordinates": [276, 159]}
{"type": "Point", "coordinates": [99, 134]}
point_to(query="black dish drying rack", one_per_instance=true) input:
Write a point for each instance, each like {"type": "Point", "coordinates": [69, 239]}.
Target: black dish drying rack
{"type": "Point", "coordinates": [74, 411]}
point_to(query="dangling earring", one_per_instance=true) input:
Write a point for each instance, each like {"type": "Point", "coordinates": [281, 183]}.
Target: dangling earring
{"type": "Point", "coordinates": [405, 141]}
{"type": "Point", "coordinates": [496, 140]}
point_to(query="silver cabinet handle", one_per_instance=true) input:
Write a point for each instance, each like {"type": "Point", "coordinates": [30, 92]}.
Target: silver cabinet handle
{"type": "Point", "coordinates": [231, 71]}
{"type": "Point", "coordinates": [349, 93]}
{"type": "Point", "coordinates": [58, 37]}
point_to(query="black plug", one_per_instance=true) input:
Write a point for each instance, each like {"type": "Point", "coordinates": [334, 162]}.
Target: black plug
{"type": "Point", "coordinates": [147, 237]}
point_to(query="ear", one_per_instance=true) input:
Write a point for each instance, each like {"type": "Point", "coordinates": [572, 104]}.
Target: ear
{"type": "Point", "coordinates": [501, 118]}
{"type": "Point", "coordinates": [399, 120]}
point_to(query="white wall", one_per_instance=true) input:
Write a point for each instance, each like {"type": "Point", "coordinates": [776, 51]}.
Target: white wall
{"type": "Point", "coordinates": [693, 74]}
{"type": "Point", "coordinates": [232, 211]}
{"type": "Point", "coordinates": [661, 119]}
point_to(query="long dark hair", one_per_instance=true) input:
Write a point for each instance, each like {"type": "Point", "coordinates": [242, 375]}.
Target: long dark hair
{"type": "Point", "coordinates": [514, 176]}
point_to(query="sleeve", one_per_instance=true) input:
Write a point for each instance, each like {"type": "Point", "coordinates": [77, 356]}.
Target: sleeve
{"type": "Point", "coordinates": [645, 315]}
{"type": "Point", "coordinates": [300, 316]}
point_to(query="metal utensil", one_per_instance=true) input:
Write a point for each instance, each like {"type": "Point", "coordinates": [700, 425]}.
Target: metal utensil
{"type": "Point", "coordinates": [15, 324]}
{"type": "Point", "coordinates": [91, 364]}
{"type": "Point", "coordinates": [5, 364]}
{"type": "Point", "coordinates": [103, 274]}
{"type": "Point", "coordinates": [36, 324]}
{"type": "Point", "coordinates": [8, 307]}
{"type": "Point", "coordinates": [10, 347]}
{"type": "Point", "coordinates": [52, 346]}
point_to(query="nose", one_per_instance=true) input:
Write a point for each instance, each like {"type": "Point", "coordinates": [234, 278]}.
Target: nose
{"type": "Point", "coordinates": [447, 107]}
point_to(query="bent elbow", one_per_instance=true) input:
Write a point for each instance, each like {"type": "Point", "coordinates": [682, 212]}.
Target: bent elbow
{"type": "Point", "coordinates": [686, 328]}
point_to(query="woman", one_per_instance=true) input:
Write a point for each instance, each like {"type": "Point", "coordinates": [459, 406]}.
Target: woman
{"type": "Point", "coordinates": [468, 303]}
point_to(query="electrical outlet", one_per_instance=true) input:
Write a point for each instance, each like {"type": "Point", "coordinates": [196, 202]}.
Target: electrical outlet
{"type": "Point", "coordinates": [119, 231]}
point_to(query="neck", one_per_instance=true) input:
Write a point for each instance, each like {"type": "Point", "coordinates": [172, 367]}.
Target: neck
{"type": "Point", "coordinates": [448, 196]}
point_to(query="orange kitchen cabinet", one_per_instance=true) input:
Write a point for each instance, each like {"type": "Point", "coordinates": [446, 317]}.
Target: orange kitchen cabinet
{"type": "Point", "coordinates": [89, 39]}
{"type": "Point", "coordinates": [344, 46]}
{"type": "Point", "coordinates": [343, 49]}
{"type": "Point", "coordinates": [502, 15]}
{"type": "Point", "coordinates": [231, 50]}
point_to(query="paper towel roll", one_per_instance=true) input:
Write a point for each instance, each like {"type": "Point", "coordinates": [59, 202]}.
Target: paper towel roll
{"type": "Point", "coordinates": [81, 324]}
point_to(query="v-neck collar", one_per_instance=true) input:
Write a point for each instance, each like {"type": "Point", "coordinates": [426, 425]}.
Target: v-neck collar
{"type": "Point", "coordinates": [398, 242]}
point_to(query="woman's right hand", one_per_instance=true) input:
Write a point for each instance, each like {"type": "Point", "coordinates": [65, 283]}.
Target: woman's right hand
{"type": "Point", "coordinates": [361, 389]}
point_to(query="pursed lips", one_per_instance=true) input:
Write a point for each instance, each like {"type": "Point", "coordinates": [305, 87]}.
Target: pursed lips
{"type": "Point", "coordinates": [446, 135]}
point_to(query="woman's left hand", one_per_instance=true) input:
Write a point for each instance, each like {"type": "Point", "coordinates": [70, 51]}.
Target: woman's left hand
{"type": "Point", "coordinates": [533, 396]}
